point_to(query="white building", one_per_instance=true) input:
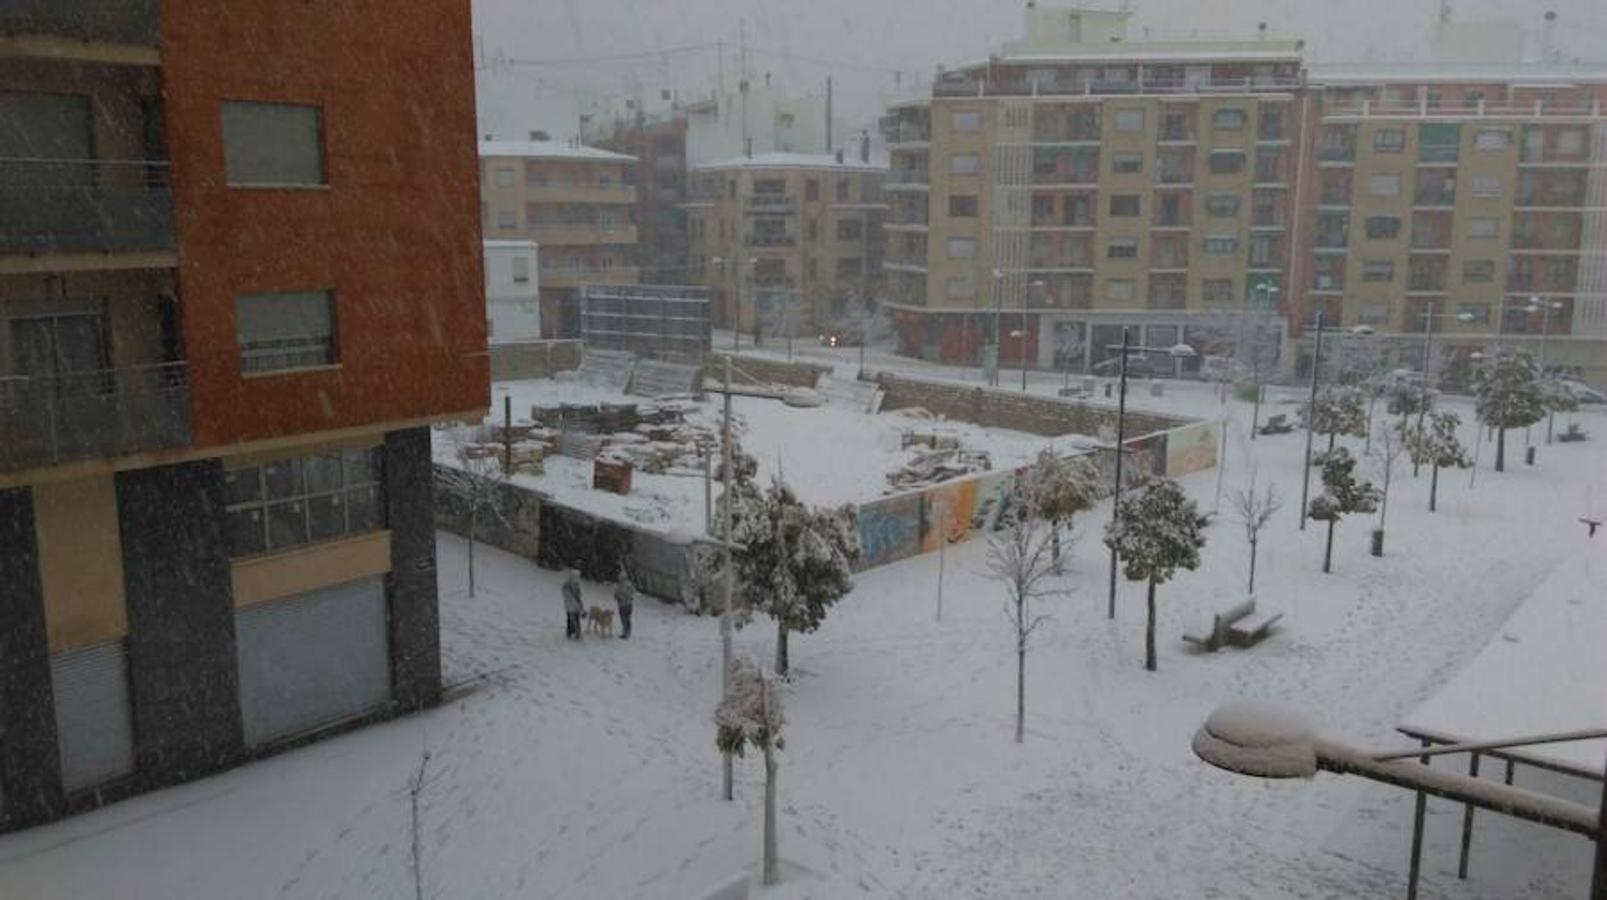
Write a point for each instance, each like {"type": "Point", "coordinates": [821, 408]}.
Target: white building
{"type": "Point", "coordinates": [512, 292]}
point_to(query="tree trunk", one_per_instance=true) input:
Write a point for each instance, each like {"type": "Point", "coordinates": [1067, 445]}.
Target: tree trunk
{"type": "Point", "coordinates": [772, 866]}
{"type": "Point", "coordinates": [1433, 486]}
{"type": "Point", "coordinates": [1252, 568]}
{"type": "Point", "coordinates": [1328, 552]}
{"type": "Point", "coordinates": [1021, 688]}
{"type": "Point", "coordinates": [1501, 450]}
{"type": "Point", "coordinates": [1332, 436]}
{"type": "Point", "coordinates": [781, 648]}
{"type": "Point", "coordinates": [1149, 631]}
{"type": "Point", "coordinates": [1054, 531]}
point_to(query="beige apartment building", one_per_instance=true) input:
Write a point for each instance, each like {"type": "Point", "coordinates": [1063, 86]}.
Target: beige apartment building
{"type": "Point", "coordinates": [784, 240]}
{"type": "Point", "coordinates": [577, 203]}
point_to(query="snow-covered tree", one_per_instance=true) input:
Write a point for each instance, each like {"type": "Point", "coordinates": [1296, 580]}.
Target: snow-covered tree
{"type": "Point", "coordinates": [1405, 393]}
{"type": "Point", "coordinates": [1558, 398]}
{"type": "Point", "coordinates": [1021, 555]}
{"type": "Point", "coordinates": [1155, 532]}
{"type": "Point", "coordinates": [1254, 509]}
{"type": "Point", "coordinates": [1435, 445]}
{"type": "Point", "coordinates": [1508, 395]}
{"type": "Point", "coordinates": [1387, 451]}
{"type": "Point", "coordinates": [1058, 488]}
{"type": "Point", "coordinates": [862, 320]}
{"type": "Point", "coordinates": [1342, 494]}
{"type": "Point", "coordinates": [749, 715]}
{"type": "Point", "coordinates": [1340, 409]}
{"type": "Point", "coordinates": [476, 481]}
{"type": "Point", "coordinates": [795, 562]}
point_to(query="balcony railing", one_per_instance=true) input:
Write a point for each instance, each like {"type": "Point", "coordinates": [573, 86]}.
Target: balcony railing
{"type": "Point", "coordinates": [1559, 108]}
{"type": "Point", "coordinates": [1267, 218]}
{"type": "Point", "coordinates": [1435, 195]}
{"type": "Point", "coordinates": [772, 240]}
{"type": "Point", "coordinates": [84, 206]}
{"type": "Point", "coordinates": [770, 203]}
{"type": "Point", "coordinates": [112, 21]}
{"type": "Point", "coordinates": [1426, 281]}
{"type": "Point", "coordinates": [906, 176]}
{"type": "Point", "coordinates": [1332, 153]}
{"type": "Point", "coordinates": [1332, 239]}
{"type": "Point", "coordinates": [909, 133]}
{"type": "Point", "coordinates": [955, 85]}
{"type": "Point", "coordinates": [87, 415]}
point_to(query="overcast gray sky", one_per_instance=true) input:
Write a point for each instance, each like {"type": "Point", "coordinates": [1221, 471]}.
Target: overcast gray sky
{"type": "Point", "coordinates": [862, 42]}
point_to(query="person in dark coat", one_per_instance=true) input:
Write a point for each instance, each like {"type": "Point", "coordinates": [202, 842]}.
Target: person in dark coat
{"type": "Point", "coordinates": [624, 599]}
{"type": "Point", "coordinates": [572, 605]}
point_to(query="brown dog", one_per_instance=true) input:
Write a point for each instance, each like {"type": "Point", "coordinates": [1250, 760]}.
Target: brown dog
{"type": "Point", "coordinates": [601, 620]}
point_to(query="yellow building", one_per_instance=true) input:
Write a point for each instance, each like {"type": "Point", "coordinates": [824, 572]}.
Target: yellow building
{"type": "Point", "coordinates": [784, 240]}
{"type": "Point", "coordinates": [577, 203]}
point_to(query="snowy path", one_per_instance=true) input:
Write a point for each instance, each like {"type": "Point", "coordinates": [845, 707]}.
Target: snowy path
{"type": "Point", "coordinates": [588, 771]}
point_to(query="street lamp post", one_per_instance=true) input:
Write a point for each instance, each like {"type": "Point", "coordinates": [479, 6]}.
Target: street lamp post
{"type": "Point", "coordinates": [992, 375]}
{"type": "Point", "coordinates": [1021, 344]}
{"type": "Point", "coordinates": [1267, 293]}
{"type": "Point", "coordinates": [1534, 305]}
{"type": "Point", "coordinates": [1125, 349]}
{"type": "Point", "coordinates": [1429, 315]}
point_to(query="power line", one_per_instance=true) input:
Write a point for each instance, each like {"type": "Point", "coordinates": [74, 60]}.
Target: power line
{"type": "Point", "coordinates": [646, 55]}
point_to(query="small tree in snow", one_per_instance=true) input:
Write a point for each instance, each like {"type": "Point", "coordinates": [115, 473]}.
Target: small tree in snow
{"type": "Point", "coordinates": [1157, 531]}
{"type": "Point", "coordinates": [1508, 395]}
{"type": "Point", "coordinates": [476, 481]}
{"type": "Point", "coordinates": [750, 716]}
{"type": "Point", "coordinates": [796, 561]}
{"type": "Point", "coordinates": [1435, 445]}
{"type": "Point", "coordinates": [1341, 495]}
{"type": "Point", "coordinates": [1388, 449]}
{"type": "Point", "coordinates": [1021, 555]}
{"type": "Point", "coordinates": [1058, 488]}
{"type": "Point", "coordinates": [1254, 509]}
{"type": "Point", "coordinates": [1340, 409]}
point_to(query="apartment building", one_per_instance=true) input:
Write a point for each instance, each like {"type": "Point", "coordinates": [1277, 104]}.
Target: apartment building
{"type": "Point", "coordinates": [1467, 199]}
{"type": "Point", "coordinates": [512, 291]}
{"type": "Point", "coordinates": [659, 146]}
{"type": "Point", "coordinates": [784, 240]}
{"type": "Point", "coordinates": [238, 282]}
{"type": "Point", "coordinates": [577, 202]}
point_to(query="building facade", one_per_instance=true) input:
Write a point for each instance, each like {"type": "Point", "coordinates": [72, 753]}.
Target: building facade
{"type": "Point", "coordinates": [1083, 180]}
{"type": "Point", "coordinates": [578, 203]}
{"type": "Point", "coordinates": [237, 285]}
{"type": "Point", "coordinates": [784, 241]}
{"type": "Point", "coordinates": [512, 291]}
{"type": "Point", "coordinates": [659, 146]}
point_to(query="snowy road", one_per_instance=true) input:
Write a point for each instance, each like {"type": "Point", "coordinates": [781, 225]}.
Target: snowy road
{"type": "Point", "coordinates": [589, 771]}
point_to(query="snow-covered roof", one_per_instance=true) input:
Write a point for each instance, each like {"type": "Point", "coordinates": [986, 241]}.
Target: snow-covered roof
{"type": "Point", "coordinates": [1147, 52]}
{"type": "Point", "coordinates": [797, 161]}
{"type": "Point", "coordinates": [510, 245]}
{"type": "Point", "coordinates": [1340, 73]}
{"type": "Point", "coordinates": [550, 150]}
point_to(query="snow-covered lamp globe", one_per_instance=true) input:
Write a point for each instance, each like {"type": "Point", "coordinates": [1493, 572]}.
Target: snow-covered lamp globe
{"type": "Point", "coordinates": [1258, 739]}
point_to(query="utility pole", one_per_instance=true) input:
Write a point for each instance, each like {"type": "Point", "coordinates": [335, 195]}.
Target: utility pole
{"type": "Point", "coordinates": [1116, 495]}
{"type": "Point", "coordinates": [1311, 415]}
{"type": "Point", "coordinates": [828, 114]}
{"type": "Point", "coordinates": [730, 565]}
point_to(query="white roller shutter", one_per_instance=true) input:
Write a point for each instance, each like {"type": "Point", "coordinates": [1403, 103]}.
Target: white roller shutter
{"type": "Point", "coordinates": [94, 732]}
{"type": "Point", "coordinates": [312, 659]}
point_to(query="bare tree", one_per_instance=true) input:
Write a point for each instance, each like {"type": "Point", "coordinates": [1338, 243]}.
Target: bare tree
{"type": "Point", "coordinates": [415, 790]}
{"type": "Point", "coordinates": [750, 716]}
{"type": "Point", "coordinates": [1022, 556]}
{"type": "Point", "coordinates": [1388, 449]}
{"type": "Point", "coordinates": [1254, 508]}
{"type": "Point", "coordinates": [477, 481]}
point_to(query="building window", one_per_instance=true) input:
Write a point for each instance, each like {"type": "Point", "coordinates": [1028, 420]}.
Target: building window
{"type": "Point", "coordinates": [850, 267]}
{"type": "Point", "coordinates": [1129, 120]}
{"type": "Point", "coordinates": [1491, 139]}
{"type": "Point", "coordinates": [291, 330]}
{"type": "Point", "coordinates": [507, 219]}
{"type": "Point", "coordinates": [1119, 289]}
{"type": "Point", "coordinates": [1373, 313]}
{"type": "Point", "coordinates": [960, 288]}
{"type": "Point", "coordinates": [1570, 142]}
{"type": "Point", "coordinates": [1378, 270]}
{"type": "Point", "coordinates": [1483, 227]}
{"type": "Point", "coordinates": [1218, 290]}
{"type": "Point", "coordinates": [850, 230]}
{"type": "Point", "coordinates": [1474, 312]}
{"type": "Point", "coordinates": [1478, 271]}
{"type": "Point", "coordinates": [290, 502]}
{"type": "Point", "coordinates": [1382, 226]}
{"type": "Point", "coordinates": [1384, 185]}
{"type": "Point", "coordinates": [1389, 140]}
{"type": "Point", "coordinates": [962, 248]}
{"type": "Point", "coordinates": [964, 164]}
{"type": "Point", "coordinates": [1226, 162]}
{"type": "Point", "coordinates": [521, 269]}
{"type": "Point", "coordinates": [1486, 185]}
{"type": "Point", "coordinates": [811, 189]}
{"type": "Point", "coordinates": [962, 206]}
{"type": "Point", "coordinates": [1127, 163]}
{"type": "Point", "coordinates": [1124, 204]}
{"type": "Point", "coordinates": [1228, 119]}
{"type": "Point", "coordinates": [842, 190]}
{"type": "Point", "coordinates": [1219, 245]}
{"type": "Point", "coordinates": [1125, 248]}
{"type": "Point", "coordinates": [1221, 206]}
{"type": "Point", "coordinates": [967, 120]}
{"type": "Point", "coordinates": [505, 177]}
{"type": "Point", "coordinates": [272, 144]}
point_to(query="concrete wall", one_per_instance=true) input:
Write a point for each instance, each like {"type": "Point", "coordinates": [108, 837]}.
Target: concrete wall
{"type": "Point", "coordinates": [753, 370]}
{"type": "Point", "coordinates": [1019, 412]}
{"type": "Point", "coordinates": [533, 359]}
{"type": "Point", "coordinates": [513, 311]}
{"type": "Point", "coordinates": [30, 770]}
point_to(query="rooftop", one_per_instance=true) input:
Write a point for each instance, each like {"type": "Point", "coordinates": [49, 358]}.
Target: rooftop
{"type": "Point", "coordinates": [1551, 74]}
{"type": "Point", "coordinates": [797, 161]}
{"type": "Point", "coordinates": [550, 150]}
{"type": "Point", "coordinates": [1148, 52]}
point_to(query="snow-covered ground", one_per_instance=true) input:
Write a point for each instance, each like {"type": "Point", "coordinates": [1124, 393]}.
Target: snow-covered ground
{"type": "Point", "coordinates": [589, 771]}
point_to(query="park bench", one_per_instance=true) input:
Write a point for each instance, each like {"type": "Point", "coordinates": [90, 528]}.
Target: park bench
{"type": "Point", "coordinates": [1278, 424]}
{"type": "Point", "coordinates": [1239, 625]}
{"type": "Point", "coordinates": [1572, 434]}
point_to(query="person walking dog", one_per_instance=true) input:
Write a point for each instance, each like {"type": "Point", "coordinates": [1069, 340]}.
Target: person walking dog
{"type": "Point", "coordinates": [624, 599]}
{"type": "Point", "coordinates": [572, 605]}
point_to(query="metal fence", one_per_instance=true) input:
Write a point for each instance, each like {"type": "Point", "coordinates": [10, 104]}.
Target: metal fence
{"type": "Point", "coordinates": [82, 415]}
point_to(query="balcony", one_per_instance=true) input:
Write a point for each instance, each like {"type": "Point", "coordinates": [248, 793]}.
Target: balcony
{"type": "Point", "coordinates": [89, 415]}
{"type": "Point", "coordinates": [84, 206]}
{"type": "Point", "coordinates": [906, 180]}
{"type": "Point", "coordinates": [909, 133]}
{"type": "Point", "coordinates": [1267, 218]}
{"type": "Point", "coordinates": [1426, 282]}
{"type": "Point", "coordinates": [570, 233]}
{"type": "Point", "coordinates": [1435, 195]}
{"type": "Point", "coordinates": [1331, 240]}
{"type": "Point", "coordinates": [580, 192]}
{"type": "Point", "coordinates": [105, 21]}
{"type": "Point", "coordinates": [772, 240]}
{"type": "Point", "coordinates": [1336, 153]}
{"type": "Point", "coordinates": [770, 204]}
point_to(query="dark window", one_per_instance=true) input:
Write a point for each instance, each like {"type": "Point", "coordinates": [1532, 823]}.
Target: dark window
{"type": "Point", "coordinates": [1124, 204]}
{"type": "Point", "coordinates": [290, 502]}
{"type": "Point", "coordinates": [962, 206]}
{"type": "Point", "coordinates": [1382, 226]}
{"type": "Point", "coordinates": [272, 144]}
